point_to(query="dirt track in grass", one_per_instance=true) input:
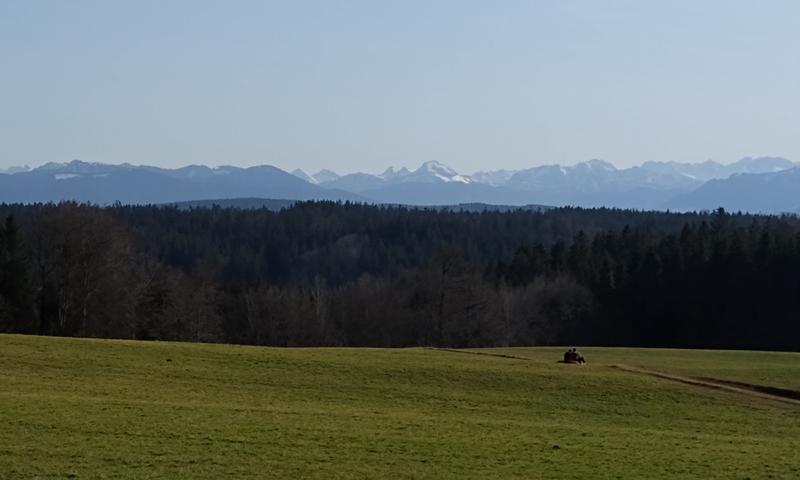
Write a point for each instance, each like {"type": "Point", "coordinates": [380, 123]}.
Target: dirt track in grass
{"type": "Point", "coordinates": [760, 391]}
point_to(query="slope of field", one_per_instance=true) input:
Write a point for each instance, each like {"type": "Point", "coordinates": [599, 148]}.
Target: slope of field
{"type": "Point", "coordinates": [777, 369]}
{"type": "Point", "coordinates": [72, 408]}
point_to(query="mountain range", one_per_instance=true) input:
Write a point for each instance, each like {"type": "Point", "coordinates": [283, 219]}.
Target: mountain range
{"type": "Point", "coordinates": [764, 184]}
{"type": "Point", "coordinates": [594, 183]}
{"type": "Point", "coordinates": [105, 184]}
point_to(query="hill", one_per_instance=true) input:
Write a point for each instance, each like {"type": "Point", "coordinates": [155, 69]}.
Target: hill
{"type": "Point", "coordinates": [77, 408]}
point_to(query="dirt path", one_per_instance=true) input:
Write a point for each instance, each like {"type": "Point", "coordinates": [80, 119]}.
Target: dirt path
{"type": "Point", "coordinates": [757, 391]}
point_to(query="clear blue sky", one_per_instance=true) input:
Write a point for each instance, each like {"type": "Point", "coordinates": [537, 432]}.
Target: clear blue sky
{"type": "Point", "coordinates": [360, 85]}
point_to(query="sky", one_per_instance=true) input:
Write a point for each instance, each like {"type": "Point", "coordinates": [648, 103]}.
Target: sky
{"type": "Point", "coordinates": [361, 85]}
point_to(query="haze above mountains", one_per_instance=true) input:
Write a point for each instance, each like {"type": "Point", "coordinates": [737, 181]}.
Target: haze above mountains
{"type": "Point", "coordinates": [764, 184]}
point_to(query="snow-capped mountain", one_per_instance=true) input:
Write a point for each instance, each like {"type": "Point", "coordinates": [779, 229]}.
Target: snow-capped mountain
{"type": "Point", "coordinates": [593, 175]}
{"type": "Point", "coordinates": [325, 176]}
{"type": "Point", "coordinates": [495, 178]}
{"type": "Point", "coordinates": [702, 171]}
{"type": "Point", "coordinates": [434, 172]}
{"type": "Point", "coordinates": [356, 182]}
{"type": "Point", "coordinates": [597, 183]}
{"type": "Point", "coordinates": [390, 173]}
{"type": "Point", "coordinates": [303, 176]}
{"type": "Point", "coordinates": [428, 172]}
{"type": "Point", "coordinates": [766, 184]}
{"type": "Point", "coordinates": [320, 177]}
{"type": "Point", "coordinates": [658, 174]}
{"type": "Point", "coordinates": [103, 184]}
{"type": "Point", "coordinates": [710, 169]}
{"type": "Point", "coordinates": [591, 183]}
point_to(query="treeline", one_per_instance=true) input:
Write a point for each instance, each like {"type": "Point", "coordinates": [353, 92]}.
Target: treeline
{"type": "Point", "coordinates": [323, 273]}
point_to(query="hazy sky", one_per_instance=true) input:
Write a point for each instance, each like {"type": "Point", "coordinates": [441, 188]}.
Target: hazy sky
{"type": "Point", "coordinates": [360, 85]}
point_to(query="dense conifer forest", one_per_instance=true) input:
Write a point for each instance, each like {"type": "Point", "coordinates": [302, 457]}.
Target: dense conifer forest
{"type": "Point", "coordinates": [323, 273]}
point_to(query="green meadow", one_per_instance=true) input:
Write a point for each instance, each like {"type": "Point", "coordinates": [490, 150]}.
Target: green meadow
{"type": "Point", "coordinates": [78, 408]}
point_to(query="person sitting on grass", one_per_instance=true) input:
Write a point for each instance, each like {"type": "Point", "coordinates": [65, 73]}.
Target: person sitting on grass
{"type": "Point", "coordinates": [572, 356]}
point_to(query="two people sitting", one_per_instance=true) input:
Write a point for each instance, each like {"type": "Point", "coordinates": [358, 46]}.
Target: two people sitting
{"type": "Point", "coordinates": [572, 356]}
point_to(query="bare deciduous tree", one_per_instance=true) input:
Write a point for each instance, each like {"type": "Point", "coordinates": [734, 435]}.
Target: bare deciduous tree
{"type": "Point", "coordinates": [85, 271]}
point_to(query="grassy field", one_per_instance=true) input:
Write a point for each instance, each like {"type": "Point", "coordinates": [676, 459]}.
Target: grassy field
{"type": "Point", "coordinates": [776, 369]}
{"type": "Point", "coordinates": [72, 408]}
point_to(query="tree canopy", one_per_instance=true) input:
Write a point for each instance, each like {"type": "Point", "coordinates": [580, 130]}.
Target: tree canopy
{"type": "Point", "coordinates": [324, 273]}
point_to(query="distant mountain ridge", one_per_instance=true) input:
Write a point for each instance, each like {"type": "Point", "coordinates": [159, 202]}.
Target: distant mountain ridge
{"type": "Point", "coordinates": [710, 170]}
{"type": "Point", "coordinates": [763, 184]}
{"type": "Point", "coordinates": [771, 192]}
{"type": "Point", "coordinates": [594, 183]}
{"type": "Point", "coordinates": [428, 172]}
{"type": "Point", "coordinates": [659, 174]}
{"type": "Point", "coordinates": [105, 184]}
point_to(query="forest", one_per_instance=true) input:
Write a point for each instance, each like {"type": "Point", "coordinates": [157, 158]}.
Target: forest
{"type": "Point", "coordinates": [348, 274]}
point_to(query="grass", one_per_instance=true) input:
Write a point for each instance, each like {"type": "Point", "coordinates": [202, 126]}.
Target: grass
{"type": "Point", "coordinates": [75, 408]}
{"type": "Point", "coordinates": [776, 369]}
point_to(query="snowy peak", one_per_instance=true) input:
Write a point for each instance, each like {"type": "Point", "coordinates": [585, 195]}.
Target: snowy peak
{"type": "Point", "coordinates": [590, 183]}
{"type": "Point", "coordinates": [435, 167]}
{"type": "Point", "coordinates": [303, 176]}
{"type": "Point", "coordinates": [78, 167]}
{"type": "Point", "coordinates": [493, 178]}
{"type": "Point", "coordinates": [325, 175]}
{"type": "Point", "coordinates": [596, 165]}
{"type": "Point", "coordinates": [428, 172]}
{"type": "Point", "coordinates": [441, 172]}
